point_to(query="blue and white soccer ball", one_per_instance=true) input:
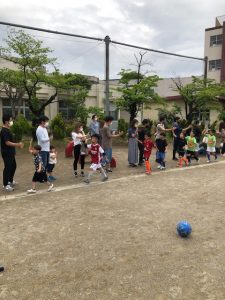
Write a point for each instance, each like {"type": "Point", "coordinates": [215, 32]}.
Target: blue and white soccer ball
{"type": "Point", "coordinates": [184, 229]}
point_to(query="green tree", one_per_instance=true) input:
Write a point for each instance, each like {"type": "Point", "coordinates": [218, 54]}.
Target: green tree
{"type": "Point", "coordinates": [170, 114]}
{"type": "Point", "coordinates": [11, 84]}
{"type": "Point", "coordinates": [76, 87]}
{"type": "Point", "coordinates": [137, 90]}
{"type": "Point", "coordinates": [200, 95]}
{"type": "Point", "coordinates": [32, 61]}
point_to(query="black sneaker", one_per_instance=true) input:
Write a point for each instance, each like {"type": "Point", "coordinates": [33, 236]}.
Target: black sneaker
{"type": "Point", "coordinates": [82, 174]}
{"type": "Point", "coordinates": [75, 174]}
{"type": "Point", "coordinates": [87, 181]}
{"type": "Point", "coordinates": [108, 170]}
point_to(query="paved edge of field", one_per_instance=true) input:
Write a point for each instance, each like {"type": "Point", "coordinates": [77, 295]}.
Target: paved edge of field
{"type": "Point", "coordinates": [83, 185]}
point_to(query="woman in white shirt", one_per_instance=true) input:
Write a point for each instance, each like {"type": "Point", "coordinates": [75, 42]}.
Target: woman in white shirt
{"type": "Point", "coordinates": [77, 136]}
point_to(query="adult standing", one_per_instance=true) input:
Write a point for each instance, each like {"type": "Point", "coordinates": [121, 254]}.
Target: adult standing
{"type": "Point", "coordinates": [8, 153]}
{"type": "Point", "coordinates": [106, 141]}
{"type": "Point", "coordinates": [94, 126]}
{"type": "Point", "coordinates": [141, 137]}
{"type": "Point", "coordinates": [43, 139]}
{"type": "Point", "coordinates": [77, 136]}
{"type": "Point", "coordinates": [160, 128]}
{"type": "Point", "coordinates": [133, 144]}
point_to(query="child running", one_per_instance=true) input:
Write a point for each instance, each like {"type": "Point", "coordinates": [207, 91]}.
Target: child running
{"type": "Point", "coordinates": [40, 173]}
{"type": "Point", "coordinates": [161, 147]}
{"type": "Point", "coordinates": [51, 163]}
{"type": "Point", "coordinates": [95, 150]}
{"type": "Point", "coordinates": [182, 151]}
{"type": "Point", "coordinates": [211, 144]}
{"type": "Point", "coordinates": [191, 147]}
{"type": "Point", "coordinates": [147, 146]}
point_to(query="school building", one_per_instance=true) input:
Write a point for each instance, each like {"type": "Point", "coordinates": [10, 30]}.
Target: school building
{"type": "Point", "coordinates": [214, 48]}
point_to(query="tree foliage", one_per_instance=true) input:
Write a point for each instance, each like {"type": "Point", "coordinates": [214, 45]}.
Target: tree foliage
{"type": "Point", "coordinates": [137, 91]}
{"type": "Point", "coordinates": [200, 95]}
{"type": "Point", "coordinates": [36, 69]}
{"type": "Point", "coordinates": [11, 83]}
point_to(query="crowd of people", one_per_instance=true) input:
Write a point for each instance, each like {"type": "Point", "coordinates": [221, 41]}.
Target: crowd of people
{"type": "Point", "coordinates": [188, 144]}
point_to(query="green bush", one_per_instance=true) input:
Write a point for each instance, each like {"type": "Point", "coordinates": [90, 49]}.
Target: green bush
{"type": "Point", "coordinates": [58, 127]}
{"type": "Point", "coordinates": [21, 127]}
{"type": "Point", "coordinates": [123, 126]}
{"type": "Point", "coordinates": [69, 128]}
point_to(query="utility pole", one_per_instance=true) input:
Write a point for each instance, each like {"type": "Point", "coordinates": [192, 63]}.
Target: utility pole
{"type": "Point", "coordinates": [205, 67]}
{"type": "Point", "coordinates": [107, 42]}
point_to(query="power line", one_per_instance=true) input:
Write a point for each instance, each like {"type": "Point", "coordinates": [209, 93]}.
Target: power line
{"type": "Point", "coordinates": [157, 51]}
{"type": "Point", "coordinates": [58, 39]}
{"type": "Point", "coordinates": [100, 39]}
{"type": "Point", "coordinates": [51, 31]}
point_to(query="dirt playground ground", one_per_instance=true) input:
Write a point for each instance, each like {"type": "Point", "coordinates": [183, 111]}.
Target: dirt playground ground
{"type": "Point", "coordinates": [115, 240]}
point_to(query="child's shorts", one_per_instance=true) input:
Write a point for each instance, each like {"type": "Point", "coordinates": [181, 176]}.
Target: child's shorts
{"type": "Point", "coordinates": [211, 149]}
{"type": "Point", "coordinates": [40, 177]}
{"type": "Point", "coordinates": [95, 167]}
{"type": "Point", "coordinates": [50, 167]}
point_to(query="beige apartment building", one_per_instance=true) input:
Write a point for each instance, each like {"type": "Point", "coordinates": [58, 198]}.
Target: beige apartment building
{"type": "Point", "coordinates": [214, 49]}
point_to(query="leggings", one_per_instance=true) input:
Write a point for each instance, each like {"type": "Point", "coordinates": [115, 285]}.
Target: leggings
{"type": "Point", "coordinates": [10, 168]}
{"type": "Point", "coordinates": [78, 157]}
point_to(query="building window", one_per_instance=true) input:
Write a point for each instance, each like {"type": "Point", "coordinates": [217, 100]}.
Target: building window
{"type": "Point", "coordinates": [214, 65]}
{"type": "Point", "coordinates": [65, 110]}
{"type": "Point", "coordinates": [113, 111]}
{"type": "Point", "coordinates": [215, 40]}
{"type": "Point", "coordinates": [23, 109]}
{"type": "Point", "coordinates": [202, 116]}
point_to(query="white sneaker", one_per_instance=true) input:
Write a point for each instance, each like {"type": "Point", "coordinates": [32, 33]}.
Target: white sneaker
{"type": "Point", "coordinates": [50, 187]}
{"type": "Point", "coordinates": [31, 191]}
{"type": "Point", "coordinates": [159, 167]}
{"type": "Point", "coordinates": [208, 161]}
{"type": "Point", "coordinates": [9, 188]}
{"type": "Point", "coordinates": [12, 183]}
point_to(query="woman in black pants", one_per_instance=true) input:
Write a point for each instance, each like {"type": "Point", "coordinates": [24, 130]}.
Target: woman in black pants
{"type": "Point", "coordinates": [77, 136]}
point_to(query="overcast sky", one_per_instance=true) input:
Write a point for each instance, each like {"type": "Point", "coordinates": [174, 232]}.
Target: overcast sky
{"type": "Point", "coordinates": [175, 26]}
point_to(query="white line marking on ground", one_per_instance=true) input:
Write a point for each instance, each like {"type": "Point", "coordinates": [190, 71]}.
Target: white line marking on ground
{"type": "Point", "coordinates": [83, 185]}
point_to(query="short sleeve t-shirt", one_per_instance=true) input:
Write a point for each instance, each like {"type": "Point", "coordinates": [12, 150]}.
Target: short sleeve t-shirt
{"type": "Point", "coordinates": [211, 140]}
{"type": "Point", "coordinates": [141, 133]}
{"type": "Point", "coordinates": [76, 139]}
{"type": "Point", "coordinates": [159, 129]}
{"type": "Point", "coordinates": [106, 137]}
{"type": "Point", "coordinates": [177, 130]}
{"type": "Point", "coordinates": [95, 152]}
{"type": "Point", "coordinates": [191, 143]}
{"type": "Point", "coordinates": [37, 161]}
{"type": "Point", "coordinates": [6, 136]}
{"type": "Point", "coordinates": [161, 145]}
{"type": "Point", "coordinates": [148, 145]}
{"type": "Point", "coordinates": [181, 145]}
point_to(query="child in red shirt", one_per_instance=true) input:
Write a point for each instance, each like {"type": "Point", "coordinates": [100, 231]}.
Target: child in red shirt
{"type": "Point", "coordinates": [148, 145]}
{"type": "Point", "coordinates": [95, 151]}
